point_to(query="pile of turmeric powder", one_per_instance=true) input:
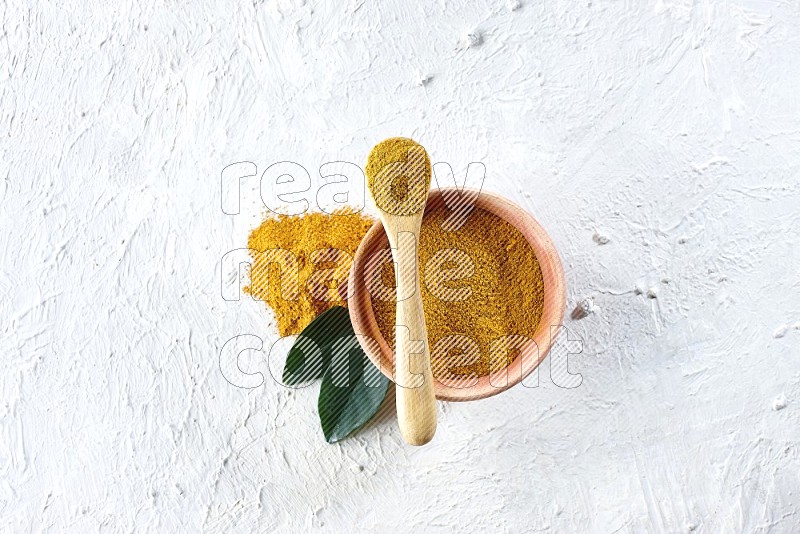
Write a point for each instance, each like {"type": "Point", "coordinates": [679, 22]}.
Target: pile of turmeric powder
{"type": "Point", "coordinates": [301, 264]}
{"type": "Point", "coordinates": [498, 292]}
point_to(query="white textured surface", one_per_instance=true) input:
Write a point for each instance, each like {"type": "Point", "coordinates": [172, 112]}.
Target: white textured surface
{"type": "Point", "coordinates": [669, 130]}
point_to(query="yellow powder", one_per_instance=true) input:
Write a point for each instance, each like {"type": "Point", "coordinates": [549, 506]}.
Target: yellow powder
{"type": "Point", "coordinates": [399, 176]}
{"type": "Point", "coordinates": [299, 277]}
{"type": "Point", "coordinates": [505, 287]}
{"type": "Point", "coordinates": [507, 292]}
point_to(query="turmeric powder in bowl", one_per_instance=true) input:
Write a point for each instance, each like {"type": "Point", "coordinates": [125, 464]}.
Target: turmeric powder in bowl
{"type": "Point", "coordinates": [480, 284]}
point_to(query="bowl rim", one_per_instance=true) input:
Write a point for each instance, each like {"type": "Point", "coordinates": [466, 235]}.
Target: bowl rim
{"type": "Point", "coordinates": [530, 355]}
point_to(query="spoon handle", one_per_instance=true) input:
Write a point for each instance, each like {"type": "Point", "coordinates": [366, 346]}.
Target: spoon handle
{"type": "Point", "coordinates": [416, 400]}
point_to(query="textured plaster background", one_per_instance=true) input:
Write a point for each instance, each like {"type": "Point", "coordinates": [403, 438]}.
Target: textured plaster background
{"type": "Point", "coordinates": [658, 143]}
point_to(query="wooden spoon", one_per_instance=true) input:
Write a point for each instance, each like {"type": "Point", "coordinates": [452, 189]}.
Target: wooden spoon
{"type": "Point", "coordinates": [399, 178]}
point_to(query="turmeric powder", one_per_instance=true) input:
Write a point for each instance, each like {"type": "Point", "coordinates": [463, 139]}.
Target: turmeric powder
{"type": "Point", "coordinates": [320, 248]}
{"type": "Point", "coordinates": [399, 175]}
{"type": "Point", "coordinates": [500, 294]}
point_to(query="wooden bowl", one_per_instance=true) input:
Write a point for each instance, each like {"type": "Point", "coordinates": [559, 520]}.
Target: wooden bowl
{"type": "Point", "coordinates": [528, 357]}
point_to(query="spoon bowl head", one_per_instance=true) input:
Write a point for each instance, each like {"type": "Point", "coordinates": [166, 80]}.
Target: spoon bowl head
{"type": "Point", "coordinates": [399, 176]}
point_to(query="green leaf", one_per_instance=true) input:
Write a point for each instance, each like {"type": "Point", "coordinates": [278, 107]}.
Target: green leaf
{"type": "Point", "coordinates": [352, 390]}
{"type": "Point", "coordinates": [310, 354]}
